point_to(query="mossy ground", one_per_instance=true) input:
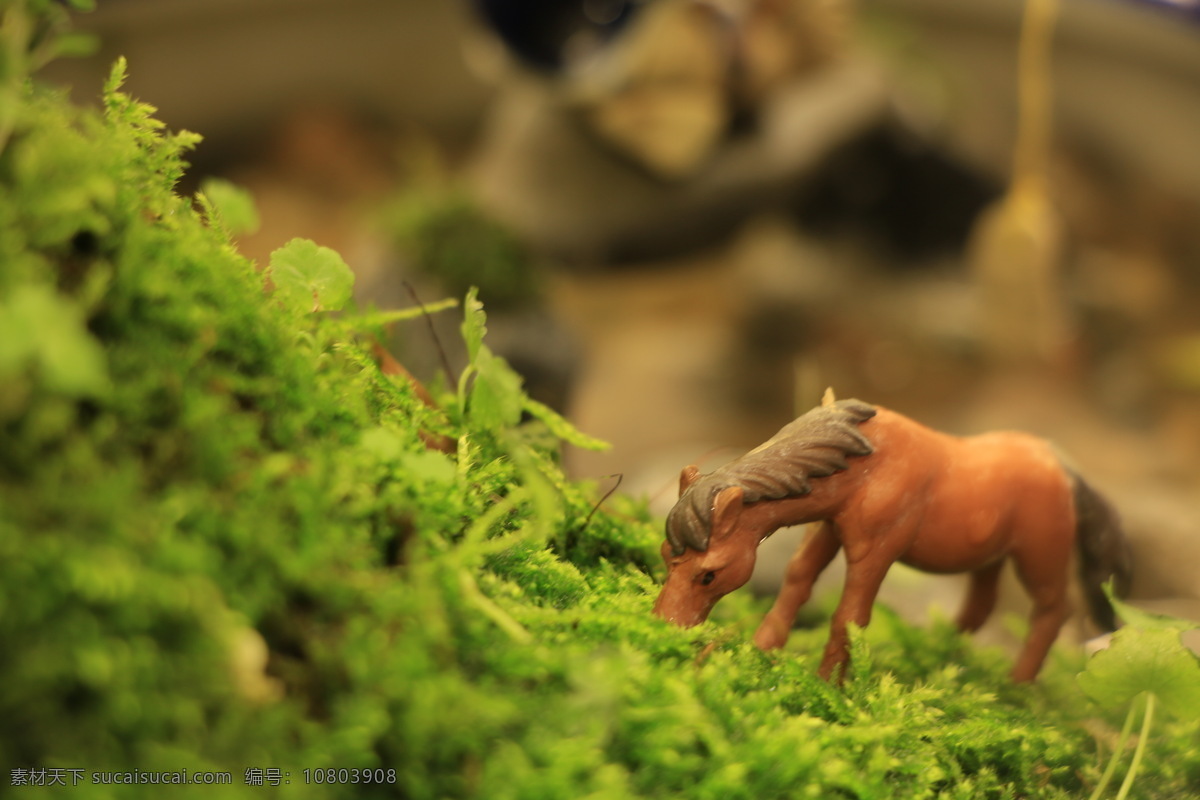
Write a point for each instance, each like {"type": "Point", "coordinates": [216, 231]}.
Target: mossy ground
{"type": "Point", "coordinates": [224, 545]}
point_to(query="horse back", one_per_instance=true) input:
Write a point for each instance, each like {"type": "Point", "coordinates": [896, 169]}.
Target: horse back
{"type": "Point", "coordinates": [1014, 485]}
{"type": "Point", "coordinates": [964, 502]}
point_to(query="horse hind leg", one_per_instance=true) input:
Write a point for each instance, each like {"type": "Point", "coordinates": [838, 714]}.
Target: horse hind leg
{"type": "Point", "coordinates": [981, 598]}
{"type": "Point", "coordinates": [810, 559]}
{"type": "Point", "coordinates": [1046, 582]}
{"type": "Point", "coordinates": [1045, 623]}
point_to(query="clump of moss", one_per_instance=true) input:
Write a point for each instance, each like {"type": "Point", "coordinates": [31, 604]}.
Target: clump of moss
{"type": "Point", "coordinates": [225, 545]}
{"type": "Point", "coordinates": [444, 234]}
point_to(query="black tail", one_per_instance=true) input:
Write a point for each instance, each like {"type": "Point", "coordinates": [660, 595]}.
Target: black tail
{"type": "Point", "coordinates": [1103, 552]}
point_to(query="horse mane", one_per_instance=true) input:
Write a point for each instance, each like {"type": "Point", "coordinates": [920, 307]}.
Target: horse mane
{"type": "Point", "coordinates": [815, 445]}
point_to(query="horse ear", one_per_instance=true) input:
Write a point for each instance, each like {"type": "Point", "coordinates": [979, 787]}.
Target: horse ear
{"type": "Point", "coordinates": [727, 509]}
{"type": "Point", "coordinates": [687, 477]}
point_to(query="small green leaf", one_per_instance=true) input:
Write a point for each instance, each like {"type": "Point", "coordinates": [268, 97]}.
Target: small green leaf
{"type": "Point", "coordinates": [116, 78]}
{"type": "Point", "coordinates": [76, 45]}
{"type": "Point", "coordinates": [1145, 620]}
{"type": "Point", "coordinates": [474, 325]}
{"type": "Point", "coordinates": [233, 204]}
{"type": "Point", "coordinates": [1145, 661]}
{"type": "Point", "coordinates": [309, 277]}
{"type": "Point", "coordinates": [496, 395]}
{"type": "Point", "coordinates": [563, 429]}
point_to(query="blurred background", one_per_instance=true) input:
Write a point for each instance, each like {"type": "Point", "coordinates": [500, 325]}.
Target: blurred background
{"type": "Point", "coordinates": [688, 218]}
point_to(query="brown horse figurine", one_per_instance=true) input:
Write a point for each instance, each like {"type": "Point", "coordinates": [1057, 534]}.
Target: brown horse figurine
{"type": "Point", "coordinates": [888, 489]}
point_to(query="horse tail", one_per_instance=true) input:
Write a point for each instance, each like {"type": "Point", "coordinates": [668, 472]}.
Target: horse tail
{"type": "Point", "coordinates": [1103, 551]}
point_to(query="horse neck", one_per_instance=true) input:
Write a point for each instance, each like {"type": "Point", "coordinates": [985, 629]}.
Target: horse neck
{"type": "Point", "coordinates": [891, 434]}
{"type": "Point", "coordinates": [827, 497]}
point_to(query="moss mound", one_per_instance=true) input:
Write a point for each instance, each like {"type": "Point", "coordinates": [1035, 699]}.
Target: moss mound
{"type": "Point", "coordinates": [225, 546]}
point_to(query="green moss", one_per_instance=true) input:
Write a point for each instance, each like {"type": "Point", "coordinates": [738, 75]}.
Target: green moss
{"type": "Point", "coordinates": [447, 236]}
{"type": "Point", "coordinates": [225, 546]}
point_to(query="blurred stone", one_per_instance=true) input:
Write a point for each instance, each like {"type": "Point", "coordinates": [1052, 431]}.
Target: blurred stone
{"type": "Point", "coordinates": [659, 94]}
{"type": "Point", "coordinates": [644, 154]}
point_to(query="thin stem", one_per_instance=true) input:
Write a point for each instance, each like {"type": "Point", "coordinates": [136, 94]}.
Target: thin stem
{"type": "Point", "coordinates": [489, 609]}
{"type": "Point", "coordinates": [382, 318]}
{"type": "Point", "coordinates": [1127, 784]}
{"type": "Point", "coordinates": [1117, 753]}
{"type": "Point", "coordinates": [620, 476]}
{"type": "Point", "coordinates": [408, 287]}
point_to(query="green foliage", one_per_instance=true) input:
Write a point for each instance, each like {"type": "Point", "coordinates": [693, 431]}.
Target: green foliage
{"type": "Point", "coordinates": [495, 400]}
{"type": "Point", "coordinates": [34, 33]}
{"type": "Point", "coordinates": [225, 545]}
{"type": "Point", "coordinates": [1146, 659]}
{"type": "Point", "coordinates": [65, 357]}
{"type": "Point", "coordinates": [1141, 660]}
{"type": "Point", "coordinates": [228, 206]}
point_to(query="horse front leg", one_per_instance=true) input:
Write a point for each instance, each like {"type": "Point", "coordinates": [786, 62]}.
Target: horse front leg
{"type": "Point", "coordinates": [981, 598]}
{"type": "Point", "coordinates": [805, 566]}
{"type": "Point", "coordinates": [863, 579]}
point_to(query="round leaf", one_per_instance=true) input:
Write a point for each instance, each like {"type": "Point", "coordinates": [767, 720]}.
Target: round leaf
{"type": "Point", "coordinates": [1145, 661]}
{"type": "Point", "coordinates": [309, 277]}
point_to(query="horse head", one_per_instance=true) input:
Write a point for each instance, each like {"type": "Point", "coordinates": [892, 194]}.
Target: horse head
{"type": "Point", "coordinates": [697, 578]}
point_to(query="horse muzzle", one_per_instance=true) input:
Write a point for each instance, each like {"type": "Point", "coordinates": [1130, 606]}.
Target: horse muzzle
{"type": "Point", "coordinates": [684, 611]}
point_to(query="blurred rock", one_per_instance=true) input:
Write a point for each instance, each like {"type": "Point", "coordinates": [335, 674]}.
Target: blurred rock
{"type": "Point", "coordinates": [654, 147]}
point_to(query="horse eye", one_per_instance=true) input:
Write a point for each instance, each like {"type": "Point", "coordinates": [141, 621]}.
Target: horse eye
{"type": "Point", "coordinates": [708, 578]}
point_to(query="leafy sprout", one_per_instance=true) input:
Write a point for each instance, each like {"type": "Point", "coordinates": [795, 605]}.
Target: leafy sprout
{"type": "Point", "coordinates": [229, 206]}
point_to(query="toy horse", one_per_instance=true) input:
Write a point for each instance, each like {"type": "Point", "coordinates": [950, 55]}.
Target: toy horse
{"type": "Point", "coordinates": [888, 489]}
